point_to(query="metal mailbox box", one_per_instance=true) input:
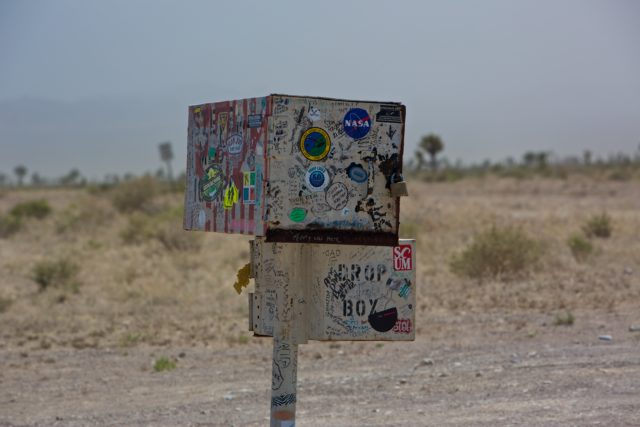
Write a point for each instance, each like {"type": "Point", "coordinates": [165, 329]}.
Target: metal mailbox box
{"type": "Point", "coordinates": [295, 169]}
{"type": "Point", "coordinates": [346, 292]}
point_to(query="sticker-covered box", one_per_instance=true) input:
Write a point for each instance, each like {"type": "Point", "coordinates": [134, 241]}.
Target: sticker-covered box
{"type": "Point", "coordinates": [295, 169]}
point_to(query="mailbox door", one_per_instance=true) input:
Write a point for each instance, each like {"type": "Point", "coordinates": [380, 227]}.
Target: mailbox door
{"type": "Point", "coordinates": [353, 293]}
{"type": "Point", "coordinates": [330, 163]}
{"type": "Point", "coordinates": [225, 166]}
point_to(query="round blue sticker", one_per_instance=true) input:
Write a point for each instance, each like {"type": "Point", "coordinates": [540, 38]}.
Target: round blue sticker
{"type": "Point", "coordinates": [357, 173]}
{"type": "Point", "coordinates": [317, 178]}
{"type": "Point", "coordinates": [357, 123]}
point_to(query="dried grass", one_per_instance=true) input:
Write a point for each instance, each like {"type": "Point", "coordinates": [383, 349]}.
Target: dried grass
{"type": "Point", "coordinates": [157, 292]}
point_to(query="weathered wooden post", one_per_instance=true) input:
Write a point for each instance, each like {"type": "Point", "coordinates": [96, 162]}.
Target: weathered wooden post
{"type": "Point", "coordinates": [317, 181]}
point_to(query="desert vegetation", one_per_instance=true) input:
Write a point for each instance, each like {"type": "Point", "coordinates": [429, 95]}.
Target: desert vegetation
{"type": "Point", "coordinates": [108, 263]}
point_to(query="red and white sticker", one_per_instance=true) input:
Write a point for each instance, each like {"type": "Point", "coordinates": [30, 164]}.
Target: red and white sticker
{"type": "Point", "coordinates": [402, 326]}
{"type": "Point", "coordinates": [402, 259]}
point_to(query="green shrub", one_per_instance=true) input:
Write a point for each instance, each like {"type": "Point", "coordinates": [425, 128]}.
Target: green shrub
{"type": "Point", "coordinates": [497, 252]}
{"type": "Point", "coordinates": [135, 194]}
{"type": "Point", "coordinates": [166, 227]}
{"type": "Point", "coordinates": [174, 238]}
{"type": "Point", "coordinates": [56, 273]}
{"type": "Point", "coordinates": [32, 209]}
{"type": "Point", "coordinates": [9, 225]}
{"type": "Point", "coordinates": [82, 216]}
{"type": "Point", "coordinates": [139, 229]}
{"type": "Point", "coordinates": [598, 226]}
{"type": "Point", "coordinates": [164, 364]}
{"type": "Point", "coordinates": [564, 319]}
{"type": "Point", "coordinates": [580, 247]}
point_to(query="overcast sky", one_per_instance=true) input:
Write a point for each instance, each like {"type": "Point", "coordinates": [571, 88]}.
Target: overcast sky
{"type": "Point", "coordinates": [97, 85]}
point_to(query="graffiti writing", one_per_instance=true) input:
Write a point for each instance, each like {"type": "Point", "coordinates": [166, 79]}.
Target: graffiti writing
{"type": "Point", "coordinates": [360, 307]}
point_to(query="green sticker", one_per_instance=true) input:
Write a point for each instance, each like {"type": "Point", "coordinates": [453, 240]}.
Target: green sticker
{"type": "Point", "coordinates": [298, 214]}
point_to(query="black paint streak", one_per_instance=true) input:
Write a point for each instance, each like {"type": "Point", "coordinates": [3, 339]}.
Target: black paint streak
{"type": "Point", "coordinates": [389, 165]}
{"type": "Point", "coordinates": [375, 212]}
{"type": "Point", "coordinates": [341, 237]}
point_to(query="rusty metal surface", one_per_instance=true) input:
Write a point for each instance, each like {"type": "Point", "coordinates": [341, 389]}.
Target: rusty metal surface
{"type": "Point", "coordinates": [292, 167]}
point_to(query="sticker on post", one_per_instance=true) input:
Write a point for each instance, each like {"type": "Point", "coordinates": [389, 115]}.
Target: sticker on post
{"type": "Point", "coordinates": [234, 144]}
{"type": "Point", "coordinates": [357, 123]}
{"type": "Point", "coordinates": [255, 121]}
{"type": "Point", "coordinates": [211, 183]}
{"type": "Point", "coordinates": [315, 144]}
{"type": "Point", "coordinates": [317, 178]}
{"type": "Point", "coordinates": [357, 173]}
{"type": "Point", "coordinates": [230, 195]}
{"type": "Point", "coordinates": [298, 214]}
{"type": "Point", "coordinates": [402, 258]}
{"type": "Point", "coordinates": [249, 188]}
{"type": "Point", "coordinates": [389, 114]}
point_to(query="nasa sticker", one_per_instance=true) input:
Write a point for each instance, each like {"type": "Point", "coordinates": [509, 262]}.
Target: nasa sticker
{"type": "Point", "coordinates": [317, 178]}
{"type": "Point", "coordinates": [357, 123]}
{"type": "Point", "coordinates": [315, 144]}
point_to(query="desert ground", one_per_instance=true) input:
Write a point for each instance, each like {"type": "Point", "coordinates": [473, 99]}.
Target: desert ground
{"type": "Point", "coordinates": [557, 344]}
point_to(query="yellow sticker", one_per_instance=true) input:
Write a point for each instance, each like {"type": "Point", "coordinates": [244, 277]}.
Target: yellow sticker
{"type": "Point", "coordinates": [230, 195]}
{"type": "Point", "coordinates": [315, 144]}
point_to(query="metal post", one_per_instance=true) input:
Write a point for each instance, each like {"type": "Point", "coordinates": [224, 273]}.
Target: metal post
{"type": "Point", "coordinates": [290, 329]}
{"type": "Point", "coordinates": [283, 382]}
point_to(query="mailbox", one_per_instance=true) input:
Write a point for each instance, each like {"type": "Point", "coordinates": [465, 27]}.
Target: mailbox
{"type": "Point", "coordinates": [355, 293]}
{"type": "Point", "coordinates": [296, 169]}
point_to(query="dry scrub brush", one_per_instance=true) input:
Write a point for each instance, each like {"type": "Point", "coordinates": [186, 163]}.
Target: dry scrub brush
{"type": "Point", "coordinates": [497, 253]}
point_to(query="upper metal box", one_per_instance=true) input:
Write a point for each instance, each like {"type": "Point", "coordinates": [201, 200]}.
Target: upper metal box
{"type": "Point", "coordinates": [295, 169]}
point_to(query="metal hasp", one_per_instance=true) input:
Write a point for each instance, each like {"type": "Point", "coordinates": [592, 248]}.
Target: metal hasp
{"type": "Point", "coordinates": [296, 169]}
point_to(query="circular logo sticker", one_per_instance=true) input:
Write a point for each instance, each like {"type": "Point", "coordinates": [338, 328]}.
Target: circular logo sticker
{"type": "Point", "coordinates": [315, 144]}
{"type": "Point", "coordinates": [357, 123]}
{"type": "Point", "coordinates": [357, 173]}
{"type": "Point", "coordinates": [317, 178]}
{"type": "Point", "coordinates": [234, 143]}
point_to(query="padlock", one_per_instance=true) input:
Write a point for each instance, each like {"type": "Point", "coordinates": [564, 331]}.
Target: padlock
{"type": "Point", "coordinates": [399, 189]}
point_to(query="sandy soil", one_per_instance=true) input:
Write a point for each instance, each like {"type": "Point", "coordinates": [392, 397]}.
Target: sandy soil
{"type": "Point", "coordinates": [462, 370]}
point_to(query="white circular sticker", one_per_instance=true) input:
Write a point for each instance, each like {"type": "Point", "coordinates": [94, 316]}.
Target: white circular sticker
{"type": "Point", "coordinates": [317, 178]}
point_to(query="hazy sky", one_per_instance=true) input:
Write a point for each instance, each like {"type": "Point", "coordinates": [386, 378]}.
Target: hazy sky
{"type": "Point", "coordinates": [97, 85]}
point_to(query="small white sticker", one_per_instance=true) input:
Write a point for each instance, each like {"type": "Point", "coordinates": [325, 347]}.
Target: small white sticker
{"type": "Point", "coordinates": [314, 114]}
{"type": "Point", "coordinates": [202, 218]}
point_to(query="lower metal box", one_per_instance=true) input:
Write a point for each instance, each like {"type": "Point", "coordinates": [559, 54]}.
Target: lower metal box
{"type": "Point", "coordinates": [341, 292]}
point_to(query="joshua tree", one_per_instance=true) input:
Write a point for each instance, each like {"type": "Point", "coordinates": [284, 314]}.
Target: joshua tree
{"type": "Point", "coordinates": [71, 178]}
{"type": "Point", "coordinates": [166, 154]}
{"type": "Point", "coordinates": [36, 179]}
{"type": "Point", "coordinates": [419, 159]}
{"type": "Point", "coordinates": [21, 172]}
{"type": "Point", "coordinates": [432, 144]}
